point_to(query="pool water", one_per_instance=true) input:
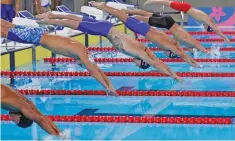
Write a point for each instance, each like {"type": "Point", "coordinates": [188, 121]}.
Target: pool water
{"type": "Point", "coordinates": [130, 105]}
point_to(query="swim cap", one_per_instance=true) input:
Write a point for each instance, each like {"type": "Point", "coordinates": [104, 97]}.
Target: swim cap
{"type": "Point", "coordinates": [172, 55]}
{"type": "Point", "coordinates": [144, 65]}
{"type": "Point", "coordinates": [209, 29]}
{"type": "Point", "coordinates": [24, 121]}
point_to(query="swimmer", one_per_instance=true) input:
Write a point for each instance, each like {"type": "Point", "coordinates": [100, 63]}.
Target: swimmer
{"type": "Point", "coordinates": [166, 21]}
{"type": "Point", "coordinates": [23, 112]}
{"type": "Point", "coordinates": [145, 29]}
{"type": "Point", "coordinates": [59, 45]}
{"type": "Point", "coordinates": [197, 14]}
{"type": "Point", "coordinates": [144, 57]}
{"type": "Point", "coordinates": [7, 9]}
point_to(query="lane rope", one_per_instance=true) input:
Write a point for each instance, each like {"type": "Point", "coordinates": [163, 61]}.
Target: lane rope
{"type": "Point", "coordinates": [206, 33]}
{"type": "Point", "coordinates": [127, 60]}
{"type": "Point", "coordinates": [16, 74]}
{"type": "Point", "coordinates": [112, 49]}
{"type": "Point", "coordinates": [200, 40]}
{"type": "Point", "coordinates": [138, 119]}
{"type": "Point", "coordinates": [132, 93]}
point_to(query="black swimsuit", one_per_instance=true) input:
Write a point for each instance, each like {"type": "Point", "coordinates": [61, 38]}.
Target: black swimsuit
{"type": "Point", "coordinates": [161, 21]}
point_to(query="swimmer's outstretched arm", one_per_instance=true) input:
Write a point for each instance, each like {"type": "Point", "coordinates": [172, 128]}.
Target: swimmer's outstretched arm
{"type": "Point", "coordinates": [28, 109]}
{"type": "Point", "coordinates": [212, 24]}
{"type": "Point", "coordinates": [96, 73]}
{"type": "Point", "coordinates": [44, 122]}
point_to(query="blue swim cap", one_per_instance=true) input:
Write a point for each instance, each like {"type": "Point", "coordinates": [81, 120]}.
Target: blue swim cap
{"type": "Point", "coordinates": [172, 55]}
{"type": "Point", "coordinates": [144, 65]}
{"type": "Point", "coordinates": [209, 29]}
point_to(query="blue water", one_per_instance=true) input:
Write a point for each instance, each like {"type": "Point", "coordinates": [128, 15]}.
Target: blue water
{"type": "Point", "coordinates": [138, 106]}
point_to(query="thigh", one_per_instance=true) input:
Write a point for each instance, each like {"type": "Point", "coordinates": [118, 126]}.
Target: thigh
{"type": "Point", "coordinates": [3, 12]}
{"type": "Point", "coordinates": [10, 13]}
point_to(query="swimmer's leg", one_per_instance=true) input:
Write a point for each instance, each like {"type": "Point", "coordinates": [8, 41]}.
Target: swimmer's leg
{"type": "Point", "coordinates": [58, 16]}
{"type": "Point", "coordinates": [115, 12]}
{"type": "Point", "coordinates": [164, 2]}
{"type": "Point", "coordinates": [143, 18]}
{"type": "Point", "coordinates": [138, 12]}
{"type": "Point", "coordinates": [65, 23]}
{"type": "Point", "coordinates": [4, 31]}
{"type": "Point", "coordinates": [7, 24]}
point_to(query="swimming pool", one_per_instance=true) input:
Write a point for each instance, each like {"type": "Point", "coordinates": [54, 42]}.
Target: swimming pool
{"type": "Point", "coordinates": [134, 106]}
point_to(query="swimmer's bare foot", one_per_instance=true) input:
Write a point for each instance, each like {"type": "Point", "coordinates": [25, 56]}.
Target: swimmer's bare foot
{"type": "Point", "coordinates": [43, 21]}
{"type": "Point", "coordinates": [42, 16]}
{"type": "Point", "coordinates": [111, 93]}
{"type": "Point", "coordinates": [124, 11]}
{"type": "Point", "coordinates": [97, 4]}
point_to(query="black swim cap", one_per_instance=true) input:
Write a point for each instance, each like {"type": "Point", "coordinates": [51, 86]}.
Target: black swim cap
{"type": "Point", "coordinates": [172, 55]}
{"type": "Point", "coordinates": [209, 29]}
{"type": "Point", "coordinates": [24, 121]}
{"type": "Point", "coordinates": [144, 65]}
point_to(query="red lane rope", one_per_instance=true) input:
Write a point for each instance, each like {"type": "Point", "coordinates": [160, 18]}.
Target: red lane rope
{"type": "Point", "coordinates": [127, 74]}
{"type": "Point", "coordinates": [200, 40]}
{"type": "Point", "coordinates": [125, 60]}
{"type": "Point", "coordinates": [203, 33]}
{"type": "Point", "coordinates": [112, 49]}
{"type": "Point", "coordinates": [138, 119]}
{"type": "Point", "coordinates": [132, 93]}
{"type": "Point", "coordinates": [206, 33]}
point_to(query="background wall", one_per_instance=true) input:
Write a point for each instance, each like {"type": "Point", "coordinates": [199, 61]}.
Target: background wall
{"type": "Point", "coordinates": [76, 5]}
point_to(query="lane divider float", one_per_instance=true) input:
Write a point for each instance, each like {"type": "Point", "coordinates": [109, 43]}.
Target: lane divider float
{"type": "Point", "coordinates": [132, 93]}
{"type": "Point", "coordinates": [16, 74]}
{"type": "Point", "coordinates": [138, 119]}
{"type": "Point", "coordinates": [127, 60]}
{"type": "Point", "coordinates": [200, 40]}
{"type": "Point", "coordinates": [112, 49]}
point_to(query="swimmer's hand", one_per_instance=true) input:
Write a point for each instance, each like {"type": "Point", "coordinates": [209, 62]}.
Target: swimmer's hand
{"type": "Point", "coordinates": [54, 127]}
{"type": "Point", "coordinates": [111, 92]}
{"type": "Point", "coordinates": [190, 61]}
{"type": "Point", "coordinates": [227, 40]}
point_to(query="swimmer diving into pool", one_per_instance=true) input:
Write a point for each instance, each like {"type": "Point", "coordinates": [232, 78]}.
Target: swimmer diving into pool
{"type": "Point", "coordinates": [59, 45]}
{"type": "Point", "coordinates": [166, 21]}
{"type": "Point", "coordinates": [197, 14]}
{"type": "Point", "coordinates": [144, 57]}
{"type": "Point", "coordinates": [144, 29]}
{"type": "Point", "coordinates": [23, 112]}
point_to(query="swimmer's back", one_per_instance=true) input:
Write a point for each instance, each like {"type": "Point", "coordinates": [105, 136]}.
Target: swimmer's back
{"type": "Point", "coordinates": [63, 45]}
